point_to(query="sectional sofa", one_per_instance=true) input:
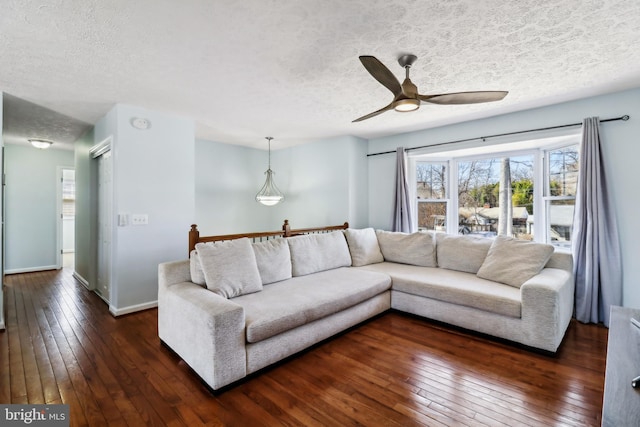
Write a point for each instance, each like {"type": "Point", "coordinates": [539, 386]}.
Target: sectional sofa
{"type": "Point", "coordinates": [236, 307]}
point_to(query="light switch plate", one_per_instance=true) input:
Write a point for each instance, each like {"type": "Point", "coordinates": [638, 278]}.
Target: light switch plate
{"type": "Point", "coordinates": [123, 220]}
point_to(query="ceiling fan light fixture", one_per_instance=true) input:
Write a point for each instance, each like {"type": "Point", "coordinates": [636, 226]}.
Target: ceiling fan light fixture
{"type": "Point", "coordinates": [41, 144]}
{"type": "Point", "coordinates": [269, 194]}
{"type": "Point", "coordinates": [406, 105]}
{"type": "Point", "coordinates": [406, 96]}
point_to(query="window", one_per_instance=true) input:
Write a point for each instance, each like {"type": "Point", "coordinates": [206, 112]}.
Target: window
{"type": "Point", "coordinates": [560, 193]}
{"type": "Point", "coordinates": [432, 195]}
{"type": "Point", "coordinates": [495, 196]}
{"type": "Point", "coordinates": [489, 190]}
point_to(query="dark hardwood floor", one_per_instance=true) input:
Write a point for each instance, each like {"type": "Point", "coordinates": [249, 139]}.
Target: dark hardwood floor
{"type": "Point", "coordinates": [62, 346]}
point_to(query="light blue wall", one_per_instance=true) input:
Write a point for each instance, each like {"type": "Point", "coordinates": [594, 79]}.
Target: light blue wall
{"type": "Point", "coordinates": [153, 174]}
{"type": "Point", "coordinates": [621, 151]}
{"type": "Point", "coordinates": [227, 178]}
{"type": "Point", "coordinates": [324, 182]}
{"type": "Point", "coordinates": [31, 206]}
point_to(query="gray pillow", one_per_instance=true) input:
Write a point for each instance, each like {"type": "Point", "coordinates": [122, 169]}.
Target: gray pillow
{"type": "Point", "coordinates": [415, 248]}
{"type": "Point", "coordinates": [197, 275]}
{"type": "Point", "coordinates": [311, 253]}
{"type": "Point", "coordinates": [461, 253]}
{"type": "Point", "coordinates": [273, 259]}
{"type": "Point", "coordinates": [363, 246]}
{"type": "Point", "coordinates": [513, 262]}
{"type": "Point", "coordinates": [230, 267]}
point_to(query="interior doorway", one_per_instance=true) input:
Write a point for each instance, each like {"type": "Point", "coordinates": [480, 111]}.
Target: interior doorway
{"type": "Point", "coordinates": [66, 217]}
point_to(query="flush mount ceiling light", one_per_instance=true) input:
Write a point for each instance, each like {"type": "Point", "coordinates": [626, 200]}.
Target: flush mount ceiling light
{"type": "Point", "coordinates": [269, 194]}
{"type": "Point", "coordinates": [41, 144]}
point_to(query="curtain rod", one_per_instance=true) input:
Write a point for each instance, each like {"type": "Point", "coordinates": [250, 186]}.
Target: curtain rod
{"type": "Point", "coordinates": [625, 118]}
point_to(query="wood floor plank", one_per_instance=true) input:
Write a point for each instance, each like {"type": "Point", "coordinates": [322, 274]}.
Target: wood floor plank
{"type": "Point", "coordinates": [19, 393]}
{"type": "Point", "coordinates": [61, 345]}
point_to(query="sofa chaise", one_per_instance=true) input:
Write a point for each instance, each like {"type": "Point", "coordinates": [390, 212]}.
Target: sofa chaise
{"type": "Point", "coordinates": [236, 307]}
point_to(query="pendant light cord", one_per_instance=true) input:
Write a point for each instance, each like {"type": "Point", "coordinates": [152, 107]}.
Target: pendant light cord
{"type": "Point", "coordinates": [269, 138]}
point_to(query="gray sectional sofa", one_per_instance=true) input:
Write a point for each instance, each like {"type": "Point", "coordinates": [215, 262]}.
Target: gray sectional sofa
{"type": "Point", "coordinates": [236, 307]}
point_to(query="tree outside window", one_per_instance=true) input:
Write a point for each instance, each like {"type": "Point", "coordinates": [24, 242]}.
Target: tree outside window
{"type": "Point", "coordinates": [495, 196]}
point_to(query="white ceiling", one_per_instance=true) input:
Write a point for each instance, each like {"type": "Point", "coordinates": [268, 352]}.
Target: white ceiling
{"type": "Point", "coordinates": [247, 69]}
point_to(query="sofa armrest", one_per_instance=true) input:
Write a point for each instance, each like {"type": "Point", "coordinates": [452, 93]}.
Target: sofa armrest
{"type": "Point", "coordinates": [547, 306]}
{"type": "Point", "coordinates": [171, 273]}
{"type": "Point", "coordinates": [206, 330]}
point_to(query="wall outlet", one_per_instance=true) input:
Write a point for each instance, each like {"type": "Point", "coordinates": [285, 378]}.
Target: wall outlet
{"type": "Point", "coordinates": [139, 219]}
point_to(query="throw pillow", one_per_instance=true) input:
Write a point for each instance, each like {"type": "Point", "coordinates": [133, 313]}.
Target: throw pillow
{"type": "Point", "coordinates": [197, 275]}
{"type": "Point", "coordinates": [363, 246]}
{"type": "Point", "coordinates": [461, 253]}
{"type": "Point", "coordinates": [415, 248]}
{"type": "Point", "coordinates": [230, 267]}
{"type": "Point", "coordinates": [273, 259]}
{"type": "Point", "coordinates": [311, 253]}
{"type": "Point", "coordinates": [513, 262]}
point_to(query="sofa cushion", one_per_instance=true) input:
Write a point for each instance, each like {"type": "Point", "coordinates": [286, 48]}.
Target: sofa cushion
{"type": "Point", "coordinates": [230, 267]}
{"type": "Point", "coordinates": [285, 305]}
{"type": "Point", "coordinates": [451, 286]}
{"type": "Point", "coordinates": [415, 248]}
{"type": "Point", "coordinates": [363, 246]}
{"type": "Point", "coordinates": [513, 262]}
{"type": "Point", "coordinates": [273, 259]}
{"type": "Point", "coordinates": [461, 253]}
{"type": "Point", "coordinates": [311, 253]}
{"type": "Point", "coordinates": [197, 275]}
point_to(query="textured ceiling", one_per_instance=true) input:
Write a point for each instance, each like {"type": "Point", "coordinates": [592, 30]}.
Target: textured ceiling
{"type": "Point", "coordinates": [289, 68]}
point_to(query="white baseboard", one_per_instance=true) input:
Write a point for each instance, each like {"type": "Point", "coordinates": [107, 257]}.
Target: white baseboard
{"type": "Point", "coordinates": [132, 308]}
{"type": "Point", "coordinates": [82, 280]}
{"type": "Point", "coordinates": [31, 269]}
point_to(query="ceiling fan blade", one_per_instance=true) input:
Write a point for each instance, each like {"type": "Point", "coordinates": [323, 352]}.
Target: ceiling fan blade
{"type": "Point", "coordinates": [382, 74]}
{"type": "Point", "coordinates": [464, 97]}
{"type": "Point", "coordinates": [375, 113]}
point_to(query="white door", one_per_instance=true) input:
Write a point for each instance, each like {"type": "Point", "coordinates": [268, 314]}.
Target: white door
{"type": "Point", "coordinates": [104, 225]}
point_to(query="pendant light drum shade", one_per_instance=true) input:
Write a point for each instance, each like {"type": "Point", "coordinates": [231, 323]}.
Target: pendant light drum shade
{"type": "Point", "coordinates": [269, 194]}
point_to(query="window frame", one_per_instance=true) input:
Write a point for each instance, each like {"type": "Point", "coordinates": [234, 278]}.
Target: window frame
{"type": "Point", "coordinates": [546, 197]}
{"type": "Point", "coordinates": [446, 186]}
{"type": "Point", "coordinates": [541, 170]}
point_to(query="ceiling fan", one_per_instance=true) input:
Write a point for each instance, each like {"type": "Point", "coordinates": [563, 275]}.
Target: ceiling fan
{"type": "Point", "coordinates": [406, 96]}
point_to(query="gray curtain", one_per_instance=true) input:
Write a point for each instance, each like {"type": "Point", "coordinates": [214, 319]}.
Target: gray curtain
{"type": "Point", "coordinates": [402, 218]}
{"type": "Point", "coordinates": [595, 243]}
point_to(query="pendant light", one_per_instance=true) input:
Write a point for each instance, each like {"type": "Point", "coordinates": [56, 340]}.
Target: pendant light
{"type": "Point", "coordinates": [269, 194]}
